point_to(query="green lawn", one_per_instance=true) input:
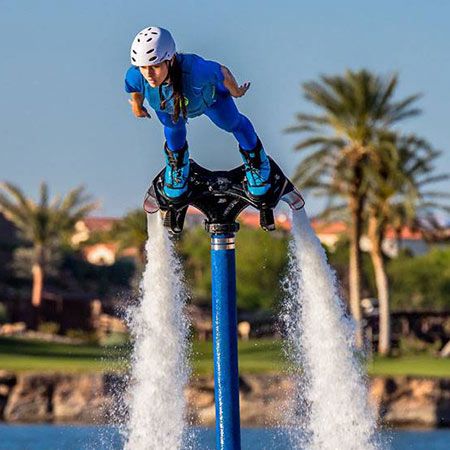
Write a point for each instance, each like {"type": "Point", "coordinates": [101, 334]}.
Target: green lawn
{"type": "Point", "coordinates": [255, 356]}
{"type": "Point", "coordinates": [418, 365]}
{"type": "Point", "coordinates": [27, 355]}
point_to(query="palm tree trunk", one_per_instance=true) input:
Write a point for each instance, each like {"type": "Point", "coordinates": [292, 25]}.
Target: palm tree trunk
{"type": "Point", "coordinates": [38, 284]}
{"type": "Point", "coordinates": [381, 280]}
{"type": "Point", "coordinates": [355, 268]}
{"type": "Point", "coordinates": [37, 271]}
{"type": "Point", "coordinates": [398, 238]}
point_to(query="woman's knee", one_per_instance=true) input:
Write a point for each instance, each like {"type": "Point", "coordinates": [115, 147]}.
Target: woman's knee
{"type": "Point", "coordinates": [231, 126]}
{"type": "Point", "coordinates": [232, 122]}
{"type": "Point", "coordinates": [242, 125]}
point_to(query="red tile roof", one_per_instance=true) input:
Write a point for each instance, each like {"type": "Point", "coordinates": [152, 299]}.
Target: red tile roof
{"type": "Point", "coordinates": [329, 227]}
{"type": "Point", "coordinates": [100, 223]}
{"type": "Point", "coordinates": [406, 233]}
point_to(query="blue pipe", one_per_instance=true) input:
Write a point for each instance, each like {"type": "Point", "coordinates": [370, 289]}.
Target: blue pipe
{"type": "Point", "coordinates": [224, 318]}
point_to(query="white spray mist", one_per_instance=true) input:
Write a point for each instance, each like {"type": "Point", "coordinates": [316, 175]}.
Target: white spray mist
{"type": "Point", "coordinates": [160, 369]}
{"type": "Point", "coordinates": [332, 410]}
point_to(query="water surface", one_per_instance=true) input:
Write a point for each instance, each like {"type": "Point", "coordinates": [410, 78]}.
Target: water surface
{"type": "Point", "coordinates": [57, 437]}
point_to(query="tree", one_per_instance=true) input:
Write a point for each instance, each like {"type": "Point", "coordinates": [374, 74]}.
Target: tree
{"type": "Point", "coordinates": [395, 197]}
{"type": "Point", "coordinates": [44, 224]}
{"type": "Point", "coordinates": [131, 232]}
{"type": "Point", "coordinates": [353, 109]}
{"type": "Point", "coordinates": [421, 283]}
{"type": "Point", "coordinates": [261, 263]}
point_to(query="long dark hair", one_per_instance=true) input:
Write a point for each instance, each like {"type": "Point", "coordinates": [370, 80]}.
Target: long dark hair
{"type": "Point", "coordinates": [176, 78]}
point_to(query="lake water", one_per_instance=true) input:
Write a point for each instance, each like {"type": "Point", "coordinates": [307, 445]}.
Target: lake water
{"type": "Point", "coordinates": [56, 437]}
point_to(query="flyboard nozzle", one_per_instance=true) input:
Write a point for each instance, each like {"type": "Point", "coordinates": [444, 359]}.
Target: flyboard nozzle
{"type": "Point", "coordinates": [266, 219]}
{"type": "Point", "coordinates": [221, 196]}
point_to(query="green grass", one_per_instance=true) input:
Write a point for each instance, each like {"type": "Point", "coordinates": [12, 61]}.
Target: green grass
{"type": "Point", "coordinates": [255, 356]}
{"type": "Point", "coordinates": [31, 355]}
{"type": "Point", "coordinates": [418, 365]}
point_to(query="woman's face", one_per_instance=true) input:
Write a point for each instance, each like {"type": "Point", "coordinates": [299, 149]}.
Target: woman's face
{"type": "Point", "coordinates": [155, 75]}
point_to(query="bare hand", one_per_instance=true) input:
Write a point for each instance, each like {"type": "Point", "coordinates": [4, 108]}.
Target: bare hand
{"type": "Point", "coordinates": [139, 110]}
{"type": "Point", "coordinates": [241, 90]}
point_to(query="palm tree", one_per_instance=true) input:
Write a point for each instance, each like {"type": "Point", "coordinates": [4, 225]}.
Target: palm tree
{"type": "Point", "coordinates": [131, 232]}
{"type": "Point", "coordinates": [396, 196]}
{"type": "Point", "coordinates": [45, 224]}
{"type": "Point", "coordinates": [353, 108]}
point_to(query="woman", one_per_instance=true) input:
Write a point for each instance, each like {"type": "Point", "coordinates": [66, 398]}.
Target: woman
{"type": "Point", "coordinates": [181, 86]}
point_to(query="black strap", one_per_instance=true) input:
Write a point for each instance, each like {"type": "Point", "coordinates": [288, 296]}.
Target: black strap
{"type": "Point", "coordinates": [176, 157]}
{"type": "Point", "coordinates": [253, 157]}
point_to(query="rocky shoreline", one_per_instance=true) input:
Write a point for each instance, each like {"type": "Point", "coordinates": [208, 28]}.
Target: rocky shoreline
{"type": "Point", "coordinates": [97, 398]}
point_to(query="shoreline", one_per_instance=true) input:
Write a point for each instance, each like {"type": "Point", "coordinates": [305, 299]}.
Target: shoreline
{"type": "Point", "coordinates": [401, 402]}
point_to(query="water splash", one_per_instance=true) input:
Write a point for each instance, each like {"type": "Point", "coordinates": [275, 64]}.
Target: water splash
{"type": "Point", "coordinates": [160, 369]}
{"type": "Point", "coordinates": [332, 411]}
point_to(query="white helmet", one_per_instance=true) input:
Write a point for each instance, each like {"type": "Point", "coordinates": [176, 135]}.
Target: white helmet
{"type": "Point", "coordinates": [152, 46]}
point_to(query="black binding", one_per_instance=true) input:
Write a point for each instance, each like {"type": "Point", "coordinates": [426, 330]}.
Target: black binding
{"type": "Point", "coordinates": [221, 196]}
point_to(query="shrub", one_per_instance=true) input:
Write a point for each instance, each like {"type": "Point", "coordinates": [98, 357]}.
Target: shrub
{"type": "Point", "coordinates": [85, 336]}
{"type": "Point", "coordinates": [49, 327]}
{"type": "Point", "coordinates": [4, 316]}
{"type": "Point", "coordinates": [421, 282]}
{"type": "Point", "coordinates": [261, 260]}
{"type": "Point", "coordinates": [411, 345]}
{"type": "Point", "coordinates": [115, 339]}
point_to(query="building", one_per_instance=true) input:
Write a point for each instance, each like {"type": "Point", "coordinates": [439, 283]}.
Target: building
{"type": "Point", "coordinates": [102, 254]}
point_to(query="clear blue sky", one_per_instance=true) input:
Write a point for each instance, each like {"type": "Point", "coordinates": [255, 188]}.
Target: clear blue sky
{"type": "Point", "coordinates": [64, 116]}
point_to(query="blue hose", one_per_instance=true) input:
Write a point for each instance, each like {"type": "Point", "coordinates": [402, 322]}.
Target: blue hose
{"type": "Point", "coordinates": [224, 318]}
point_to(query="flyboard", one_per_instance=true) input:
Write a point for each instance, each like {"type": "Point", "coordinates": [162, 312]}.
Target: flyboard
{"type": "Point", "coordinates": [221, 196]}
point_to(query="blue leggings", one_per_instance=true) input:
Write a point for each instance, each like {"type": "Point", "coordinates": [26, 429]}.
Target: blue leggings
{"type": "Point", "coordinates": [223, 113]}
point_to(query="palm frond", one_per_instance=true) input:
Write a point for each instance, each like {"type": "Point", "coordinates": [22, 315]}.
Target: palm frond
{"type": "Point", "coordinates": [43, 196]}
{"type": "Point", "coordinates": [331, 142]}
{"type": "Point", "coordinates": [22, 201]}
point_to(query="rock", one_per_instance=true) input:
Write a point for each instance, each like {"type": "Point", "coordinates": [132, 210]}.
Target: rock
{"type": "Point", "coordinates": [260, 397]}
{"type": "Point", "coordinates": [408, 401]}
{"type": "Point", "coordinates": [30, 399]}
{"type": "Point", "coordinates": [376, 393]}
{"type": "Point", "coordinates": [12, 329]}
{"type": "Point", "coordinates": [55, 397]}
{"type": "Point", "coordinates": [406, 412]}
{"type": "Point", "coordinates": [4, 390]}
{"type": "Point", "coordinates": [445, 352]}
{"type": "Point", "coordinates": [206, 416]}
{"type": "Point", "coordinates": [201, 398]}
{"type": "Point", "coordinates": [264, 399]}
{"type": "Point", "coordinates": [7, 381]}
{"type": "Point", "coordinates": [79, 398]}
{"type": "Point", "coordinates": [443, 404]}
{"type": "Point", "coordinates": [8, 378]}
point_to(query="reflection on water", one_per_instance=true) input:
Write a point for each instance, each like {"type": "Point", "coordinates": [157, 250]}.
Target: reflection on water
{"type": "Point", "coordinates": [55, 437]}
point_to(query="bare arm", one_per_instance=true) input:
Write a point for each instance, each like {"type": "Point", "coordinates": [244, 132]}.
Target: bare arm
{"type": "Point", "coordinates": [137, 105]}
{"type": "Point", "coordinates": [231, 84]}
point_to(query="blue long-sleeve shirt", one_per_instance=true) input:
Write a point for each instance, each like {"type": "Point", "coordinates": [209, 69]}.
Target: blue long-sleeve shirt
{"type": "Point", "coordinates": [201, 80]}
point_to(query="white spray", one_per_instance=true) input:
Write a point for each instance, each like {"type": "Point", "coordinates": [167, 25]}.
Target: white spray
{"type": "Point", "coordinates": [160, 369]}
{"type": "Point", "coordinates": [334, 412]}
